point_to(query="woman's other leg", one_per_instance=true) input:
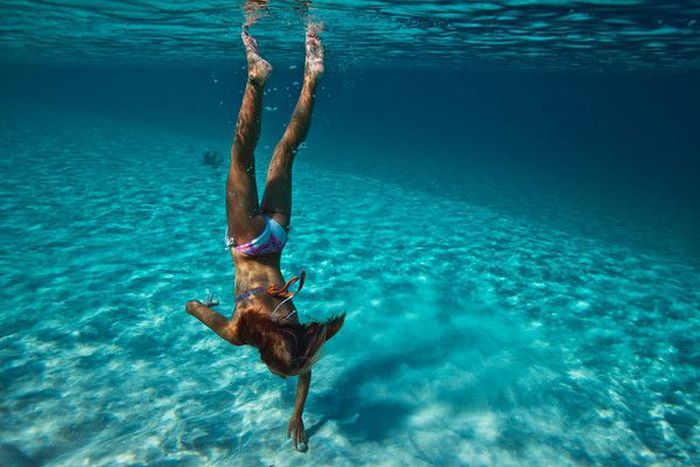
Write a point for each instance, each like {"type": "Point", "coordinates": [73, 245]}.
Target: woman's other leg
{"type": "Point", "coordinates": [242, 209]}
{"type": "Point", "coordinates": [277, 199]}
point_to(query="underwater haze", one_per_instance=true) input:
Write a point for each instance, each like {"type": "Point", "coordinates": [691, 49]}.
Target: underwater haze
{"type": "Point", "coordinates": [502, 195]}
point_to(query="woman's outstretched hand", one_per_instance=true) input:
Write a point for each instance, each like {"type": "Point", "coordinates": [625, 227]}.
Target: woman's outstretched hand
{"type": "Point", "coordinates": [297, 433]}
{"type": "Point", "coordinates": [210, 301]}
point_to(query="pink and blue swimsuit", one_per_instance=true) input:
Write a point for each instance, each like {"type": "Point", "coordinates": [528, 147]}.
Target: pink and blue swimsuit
{"type": "Point", "coordinates": [271, 240]}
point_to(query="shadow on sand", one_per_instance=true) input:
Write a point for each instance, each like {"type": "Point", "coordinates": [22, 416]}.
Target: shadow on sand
{"type": "Point", "coordinates": [365, 418]}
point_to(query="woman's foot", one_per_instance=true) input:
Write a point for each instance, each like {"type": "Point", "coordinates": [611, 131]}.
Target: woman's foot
{"type": "Point", "coordinates": [258, 67]}
{"type": "Point", "coordinates": [314, 52]}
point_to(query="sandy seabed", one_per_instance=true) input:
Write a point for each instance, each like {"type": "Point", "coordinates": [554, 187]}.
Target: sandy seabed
{"type": "Point", "coordinates": [473, 337]}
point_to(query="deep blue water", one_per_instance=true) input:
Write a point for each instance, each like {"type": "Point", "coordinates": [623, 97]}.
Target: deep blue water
{"type": "Point", "coordinates": [503, 196]}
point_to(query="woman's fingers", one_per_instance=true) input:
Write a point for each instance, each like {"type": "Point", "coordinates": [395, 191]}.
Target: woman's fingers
{"type": "Point", "coordinates": [297, 433]}
{"type": "Point", "coordinates": [300, 441]}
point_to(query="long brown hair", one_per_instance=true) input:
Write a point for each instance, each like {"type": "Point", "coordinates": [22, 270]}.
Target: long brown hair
{"type": "Point", "coordinates": [287, 348]}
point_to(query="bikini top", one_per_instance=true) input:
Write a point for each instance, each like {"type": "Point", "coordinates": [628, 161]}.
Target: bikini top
{"type": "Point", "coordinates": [277, 292]}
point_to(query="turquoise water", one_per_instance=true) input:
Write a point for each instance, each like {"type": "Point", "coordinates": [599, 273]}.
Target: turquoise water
{"type": "Point", "coordinates": [514, 241]}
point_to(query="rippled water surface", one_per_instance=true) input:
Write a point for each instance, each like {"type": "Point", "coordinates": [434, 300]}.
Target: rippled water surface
{"type": "Point", "coordinates": [561, 35]}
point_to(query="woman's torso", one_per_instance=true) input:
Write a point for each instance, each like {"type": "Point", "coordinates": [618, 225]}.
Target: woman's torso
{"type": "Point", "coordinates": [259, 272]}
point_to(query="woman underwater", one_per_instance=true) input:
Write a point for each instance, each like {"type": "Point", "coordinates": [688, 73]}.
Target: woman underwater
{"type": "Point", "coordinates": [264, 315]}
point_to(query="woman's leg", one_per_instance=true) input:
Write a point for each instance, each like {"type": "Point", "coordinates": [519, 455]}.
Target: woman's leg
{"type": "Point", "coordinates": [242, 209]}
{"type": "Point", "coordinates": [277, 199]}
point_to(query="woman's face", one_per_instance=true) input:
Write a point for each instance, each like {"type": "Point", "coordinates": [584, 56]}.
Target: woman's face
{"type": "Point", "coordinates": [278, 358]}
{"type": "Point", "coordinates": [275, 372]}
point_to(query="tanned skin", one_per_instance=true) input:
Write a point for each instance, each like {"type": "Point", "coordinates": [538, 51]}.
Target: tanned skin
{"type": "Point", "coordinates": [244, 213]}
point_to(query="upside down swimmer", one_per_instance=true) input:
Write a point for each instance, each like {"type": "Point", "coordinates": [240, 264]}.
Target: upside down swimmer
{"type": "Point", "coordinates": [264, 315]}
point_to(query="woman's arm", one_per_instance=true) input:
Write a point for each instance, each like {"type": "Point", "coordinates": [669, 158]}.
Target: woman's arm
{"type": "Point", "coordinates": [215, 321]}
{"type": "Point", "coordinates": [296, 425]}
